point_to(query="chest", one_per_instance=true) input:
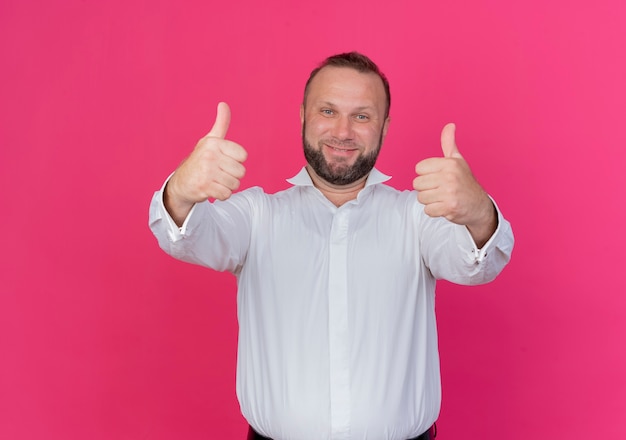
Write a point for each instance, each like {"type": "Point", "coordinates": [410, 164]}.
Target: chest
{"type": "Point", "coordinates": [303, 240]}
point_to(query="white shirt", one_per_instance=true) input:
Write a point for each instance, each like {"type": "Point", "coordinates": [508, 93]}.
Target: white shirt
{"type": "Point", "coordinates": [336, 306]}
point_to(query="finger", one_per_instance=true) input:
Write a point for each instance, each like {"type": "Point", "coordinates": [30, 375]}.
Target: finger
{"type": "Point", "coordinates": [225, 180]}
{"type": "Point", "coordinates": [222, 121]}
{"type": "Point", "coordinates": [233, 150]}
{"type": "Point", "coordinates": [429, 197]}
{"type": "Point", "coordinates": [448, 142]}
{"type": "Point", "coordinates": [233, 168]}
{"type": "Point", "coordinates": [435, 209]}
{"type": "Point", "coordinates": [221, 192]}
{"type": "Point", "coordinates": [425, 182]}
{"type": "Point", "coordinates": [430, 165]}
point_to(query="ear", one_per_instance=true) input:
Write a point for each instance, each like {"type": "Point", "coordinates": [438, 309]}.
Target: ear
{"type": "Point", "coordinates": [302, 114]}
{"type": "Point", "coordinates": [386, 126]}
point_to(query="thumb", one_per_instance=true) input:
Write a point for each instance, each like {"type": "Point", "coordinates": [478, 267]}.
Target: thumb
{"type": "Point", "coordinates": [448, 144]}
{"type": "Point", "coordinates": [222, 121]}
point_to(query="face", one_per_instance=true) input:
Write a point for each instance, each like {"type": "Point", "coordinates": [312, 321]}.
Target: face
{"type": "Point", "coordinates": [343, 124]}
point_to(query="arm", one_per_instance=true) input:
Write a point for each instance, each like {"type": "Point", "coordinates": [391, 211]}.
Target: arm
{"type": "Point", "coordinates": [214, 235]}
{"type": "Point", "coordinates": [188, 227]}
{"type": "Point", "coordinates": [450, 252]}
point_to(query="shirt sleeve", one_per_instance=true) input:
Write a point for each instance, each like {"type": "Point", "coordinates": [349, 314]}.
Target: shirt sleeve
{"type": "Point", "coordinates": [215, 235]}
{"type": "Point", "coordinates": [450, 253]}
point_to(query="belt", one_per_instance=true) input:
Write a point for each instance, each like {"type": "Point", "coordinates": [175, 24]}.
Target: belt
{"type": "Point", "coordinates": [428, 435]}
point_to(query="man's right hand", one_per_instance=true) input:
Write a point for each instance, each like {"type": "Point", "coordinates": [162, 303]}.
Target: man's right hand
{"type": "Point", "coordinates": [212, 171]}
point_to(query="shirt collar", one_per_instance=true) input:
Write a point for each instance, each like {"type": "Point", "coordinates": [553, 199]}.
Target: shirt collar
{"type": "Point", "coordinates": [303, 178]}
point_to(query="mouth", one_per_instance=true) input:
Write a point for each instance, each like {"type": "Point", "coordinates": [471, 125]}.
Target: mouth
{"type": "Point", "coordinates": [340, 150]}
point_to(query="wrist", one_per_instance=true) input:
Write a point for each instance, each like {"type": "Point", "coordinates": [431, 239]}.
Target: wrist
{"type": "Point", "coordinates": [176, 206]}
{"type": "Point", "coordinates": [487, 223]}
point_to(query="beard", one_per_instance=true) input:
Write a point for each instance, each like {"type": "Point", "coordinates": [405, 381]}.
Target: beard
{"type": "Point", "coordinates": [339, 173]}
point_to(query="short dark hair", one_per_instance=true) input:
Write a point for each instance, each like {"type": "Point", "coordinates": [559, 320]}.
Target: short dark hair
{"type": "Point", "coordinates": [356, 61]}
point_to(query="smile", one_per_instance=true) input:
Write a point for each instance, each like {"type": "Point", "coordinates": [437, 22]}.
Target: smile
{"type": "Point", "coordinates": [341, 148]}
{"type": "Point", "coordinates": [340, 152]}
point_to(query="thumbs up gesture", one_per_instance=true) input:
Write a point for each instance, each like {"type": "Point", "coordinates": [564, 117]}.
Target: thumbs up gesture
{"type": "Point", "coordinates": [213, 170]}
{"type": "Point", "coordinates": [447, 188]}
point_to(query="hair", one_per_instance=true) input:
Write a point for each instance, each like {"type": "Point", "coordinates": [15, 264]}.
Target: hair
{"type": "Point", "coordinates": [356, 61]}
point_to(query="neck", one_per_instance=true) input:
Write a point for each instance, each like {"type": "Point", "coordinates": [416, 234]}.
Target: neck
{"type": "Point", "coordinates": [337, 194]}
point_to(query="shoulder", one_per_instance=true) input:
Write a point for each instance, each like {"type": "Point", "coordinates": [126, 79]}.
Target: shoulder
{"type": "Point", "coordinates": [256, 197]}
{"type": "Point", "coordinates": [382, 192]}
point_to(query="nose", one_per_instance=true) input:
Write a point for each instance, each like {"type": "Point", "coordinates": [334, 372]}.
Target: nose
{"type": "Point", "coordinates": [342, 128]}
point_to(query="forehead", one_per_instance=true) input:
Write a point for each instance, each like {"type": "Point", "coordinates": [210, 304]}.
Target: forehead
{"type": "Point", "coordinates": [343, 85]}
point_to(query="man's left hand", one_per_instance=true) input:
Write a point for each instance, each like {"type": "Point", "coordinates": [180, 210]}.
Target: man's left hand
{"type": "Point", "coordinates": [447, 188]}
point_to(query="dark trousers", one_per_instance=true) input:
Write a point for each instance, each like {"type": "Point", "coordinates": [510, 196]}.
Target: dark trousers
{"type": "Point", "coordinates": [428, 435]}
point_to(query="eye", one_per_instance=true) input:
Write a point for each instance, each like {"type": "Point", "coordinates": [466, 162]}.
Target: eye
{"type": "Point", "coordinates": [361, 117]}
{"type": "Point", "coordinates": [327, 112]}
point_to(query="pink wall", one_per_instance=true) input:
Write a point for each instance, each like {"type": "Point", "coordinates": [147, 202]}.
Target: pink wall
{"type": "Point", "coordinates": [102, 336]}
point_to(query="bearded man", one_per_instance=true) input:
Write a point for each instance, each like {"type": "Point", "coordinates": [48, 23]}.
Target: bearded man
{"type": "Point", "coordinates": [335, 275]}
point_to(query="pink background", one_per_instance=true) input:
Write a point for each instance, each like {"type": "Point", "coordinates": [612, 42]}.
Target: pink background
{"type": "Point", "coordinates": [103, 336]}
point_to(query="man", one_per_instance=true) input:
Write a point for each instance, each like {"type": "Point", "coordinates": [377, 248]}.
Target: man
{"type": "Point", "coordinates": [336, 275]}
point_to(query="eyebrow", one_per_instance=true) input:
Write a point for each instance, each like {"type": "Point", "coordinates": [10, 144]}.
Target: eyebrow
{"type": "Point", "coordinates": [358, 109]}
